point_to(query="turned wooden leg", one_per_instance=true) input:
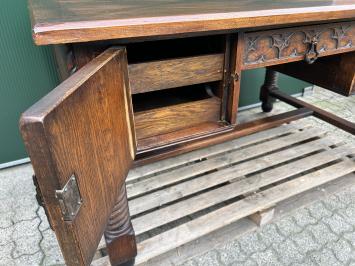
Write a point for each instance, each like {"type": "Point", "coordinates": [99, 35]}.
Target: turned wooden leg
{"type": "Point", "coordinates": [270, 83]}
{"type": "Point", "coordinates": [119, 233]}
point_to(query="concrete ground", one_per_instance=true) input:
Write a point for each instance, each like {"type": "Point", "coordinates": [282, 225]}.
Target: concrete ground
{"type": "Point", "coordinates": [320, 234]}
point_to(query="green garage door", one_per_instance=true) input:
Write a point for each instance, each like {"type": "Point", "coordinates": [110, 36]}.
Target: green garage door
{"type": "Point", "coordinates": [26, 74]}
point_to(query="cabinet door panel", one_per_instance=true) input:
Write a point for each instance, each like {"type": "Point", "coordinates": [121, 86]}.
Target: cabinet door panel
{"type": "Point", "coordinates": [83, 129]}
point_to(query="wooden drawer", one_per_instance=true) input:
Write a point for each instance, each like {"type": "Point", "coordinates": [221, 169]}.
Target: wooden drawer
{"type": "Point", "coordinates": [165, 74]}
{"type": "Point", "coordinates": [264, 48]}
{"type": "Point", "coordinates": [171, 118]}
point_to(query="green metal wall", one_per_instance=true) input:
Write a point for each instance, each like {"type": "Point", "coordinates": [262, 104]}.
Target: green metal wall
{"type": "Point", "coordinates": [28, 72]}
{"type": "Point", "coordinates": [253, 79]}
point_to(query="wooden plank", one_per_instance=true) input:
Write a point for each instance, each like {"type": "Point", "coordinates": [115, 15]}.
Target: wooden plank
{"type": "Point", "coordinates": [203, 141]}
{"type": "Point", "coordinates": [243, 226]}
{"type": "Point", "coordinates": [318, 112]}
{"type": "Point", "coordinates": [59, 21]}
{"type": "Point", "coordinates": [172, 73]}
{"type": "Point", "coordinates": [263, 217]}
{"type": "Point", "coordinates": [203, 225]}
{"type": "Point", "coordinates": [171, 118]}
{"type": "Point", "coordinates": [233, 173]}
{"type": "Point", "coordinates": [83, 127]}
{"type": "Point", "coordinates": [244, 186]}
{"type": "Point", "coordinates": [183, 173]}
{"type": "Point", "coordinates": [159, 166]}
{"type": "Point", "coordinates": [184, 134]}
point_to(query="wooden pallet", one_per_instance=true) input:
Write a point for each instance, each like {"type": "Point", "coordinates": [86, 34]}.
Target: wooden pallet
{"type": "Point", "coordinates": [179, 200]}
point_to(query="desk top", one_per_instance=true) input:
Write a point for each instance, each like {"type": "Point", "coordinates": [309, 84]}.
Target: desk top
{"type": "Point", "coordinates": [68, 21]}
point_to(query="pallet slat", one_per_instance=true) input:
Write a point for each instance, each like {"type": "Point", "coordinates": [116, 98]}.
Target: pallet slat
{"type": "Point", "coordinates": [195, 194]}
{"type": "Point", "coordinates": [208, 199]}
{"type": "Point", "coordinates": [169, 194]}
{"type": "Point", "coordinates": [183, 173]}
{"type": "Point", "coordinates": [153, 168]}
{"type": "Point", "coordinates": [203, 225]}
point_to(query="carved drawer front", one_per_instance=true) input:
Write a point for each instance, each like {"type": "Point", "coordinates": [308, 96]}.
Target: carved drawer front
{"type": "Point", "coordinates": [300, 43]}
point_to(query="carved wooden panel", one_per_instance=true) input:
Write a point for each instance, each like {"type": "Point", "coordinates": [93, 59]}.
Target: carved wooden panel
{"type": "Point", "coordinates": [292, 44]}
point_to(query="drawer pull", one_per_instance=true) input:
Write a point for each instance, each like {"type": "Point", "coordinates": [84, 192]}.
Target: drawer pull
{"type": "Point", "coordinates": [312, 53]}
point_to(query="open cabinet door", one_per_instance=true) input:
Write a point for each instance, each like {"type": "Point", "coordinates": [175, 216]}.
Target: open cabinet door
{"type": "Point", "coordinates": [81, 142]}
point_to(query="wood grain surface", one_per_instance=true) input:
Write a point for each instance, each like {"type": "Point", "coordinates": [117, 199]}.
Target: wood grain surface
{"type": "Point", "coordinates": [61, 21]}
{"type": "Point", "coordinates": [83, 127]}
{"type": "Point", "coordinates": [164, 74]}
{"type": "Point", "coordinates": [171, 118]}
{"type": "Point", "coordinates": [263, 48]}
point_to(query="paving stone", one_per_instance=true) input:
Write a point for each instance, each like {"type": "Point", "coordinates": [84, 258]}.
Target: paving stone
{"type": "Point", "coordinates": [6, 235]}
{"type": "Point", "coordinates": [266, 258]}
{"type": "Point", "coordinates": [270, 236]}
{"type": "Point", "coordinates": [303, 218]}
{"type": "Point", "coordinates": [307, 262]}
{"type": "Point", "coordinates": [5, 254]}
{"type": "Point", "coordinates": [249, 262]}
{"type": "Point", "coordinates": [333, 203]}
{"type": "Point", "coordinates": [6, 219]}
{"type": "Point", "coordinates": [250, 244]}
{"type": "Point", "coordinates": [53, 257]}
{"type": "Point", "coordinates": [189, 263]}
{"type": "Point", "coordinates": [208, 259]}
{"type": "Point", "coordinates": [51, 248]}
{"type": "Point", "coordinates": [25, 228]}
{"type": "Point", "coordinates": [231, 252]}
{"type": "Point", "coordinates": [6, 205]}
{"type": "Point", "coordinates": [24, 212]}
{"type": "Point", "coordinates": [305, 242]}
{"type": "Point", "coordinates": [44, 225]}
{"type": "Point", "coordinates": [348, 214]}
{"type": "Point", "coordinates": [27, 245]}
{"type": "Point", "coordinates": [322, 233]}
{"type": "Point", "coordinates": [288, 252]}
{"type": "Point", "coordinates": [351, 237]}
{"type": "Point", "coordinates": [318, 210]}
{"type": "Point", "coordinates": [342, 250]}
{"type": "Point", "coordinates": [287, 226]}
{"type": "Point", "coordinates": [337, 224]}
{"type": "Point", "coordinates": [325, 257]}
{"type": "Point", "coordinates": [29, 260]}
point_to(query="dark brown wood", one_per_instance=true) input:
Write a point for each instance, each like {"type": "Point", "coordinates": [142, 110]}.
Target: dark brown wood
{"type": "Point", "coordinates": [171, 118]}
{"type": "Point", "coordinates": [185, 97]}
{"type": "Point", "coordinates": [164, 74]}
{"type": "Point", "coordinates": [235, 78]}
{"type": "Point", "coordinates": [184, 134]}
{"type": "Point", "coordinates": [270, 83]}
{"type": "Point", "coordinates": [58, 21]}
{"type": "Point", "coordinates": [83, 127]}
{"type": "Point", "coordinates": [317, 112]}
{"type": "Point", "coordinates": [65, 61]}
{"type": "Point", "coordinates": [335, 73]}
{"type": "Point", "coordinates": [293, 44]}
{"type": "Point", "coordinates": [119, 234]}
{"type": "Point", "coordinates": [179, 147]}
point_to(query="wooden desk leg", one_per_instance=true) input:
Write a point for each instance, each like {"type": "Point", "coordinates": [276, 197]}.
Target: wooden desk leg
{"type": "Point", "coordinates": [119, 234]}
{"type": "Point", "coordinates": [270, 83]}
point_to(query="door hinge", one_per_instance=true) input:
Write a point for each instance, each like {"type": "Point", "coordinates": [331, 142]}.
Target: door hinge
{"type": "Point", "coordinates": [69, 199]}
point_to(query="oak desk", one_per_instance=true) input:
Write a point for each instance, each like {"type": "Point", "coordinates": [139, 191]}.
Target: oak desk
{"type": "Point", "coordinates": [146, 80]}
